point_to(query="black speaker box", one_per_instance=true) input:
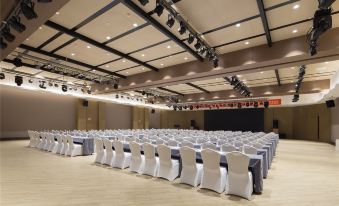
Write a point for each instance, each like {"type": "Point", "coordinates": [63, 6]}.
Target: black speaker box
{"type": "Point", "coordinates": [85, 103]}
{"type": "Point", "coordinates": [330, 103]}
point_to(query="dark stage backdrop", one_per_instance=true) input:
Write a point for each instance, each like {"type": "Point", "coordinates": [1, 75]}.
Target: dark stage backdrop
{"type": "Point", "coordinates": [235, 119]}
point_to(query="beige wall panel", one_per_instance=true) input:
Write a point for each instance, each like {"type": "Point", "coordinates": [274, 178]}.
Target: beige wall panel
{"type": "Point", "coordinates": [118, 116]}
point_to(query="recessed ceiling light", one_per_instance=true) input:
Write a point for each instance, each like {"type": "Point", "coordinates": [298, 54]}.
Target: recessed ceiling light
{"type": "Point", "coordinates": [161, 64]}
{"type": "Point", "coordinates": [57, 13]}
{"type": "Point", "coordinates": [168, 47]}
{"type": "Point", "coordinates": [261, 72]}
{"type": "Point", "coordinates": [126, 72]}
{"type": "Point", "coordinates": [142, 55]}
{"type": "Point", "coordinates": [124, 60]}
{"type": "Point", "coordinates": [185, 58]}
{"type": "Point", "coordinates": [238, 25]}
{"type": "Point", "coordinates": [40, 27]}
{"type": "Point", "coordinates": [107, 66]}
{"type": "Point", "coordinates": [88, 47]}
{"type": "Point", "coordinates": [239, 75]}
{"type": "Point", "coordinates": [72, 54]}
{"type": "Point", "coordinates": [108, 37]}
{"type": "Point", "coordinates": [291, 81]}
{"type": "Point", "coordinates": [107, 54]}
{"type": "Point", "coordinates": [135, 24]}
{"type": "Point", "coordinates": [27, 39]}
{"type": "Point", "coordinates": [295, 31]}
{"type": "Point", "coordinates": [143, 68]}
{"type": "Point", "coordinates": [247, 42]}
{"type": "Point", "coordinates": [326, 62]}
{"type": "Point", "coordinates": [296, 6]}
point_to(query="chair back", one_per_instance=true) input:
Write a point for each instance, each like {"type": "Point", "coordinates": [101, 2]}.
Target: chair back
{"type": "Point", "coordinates": [211, 160]}
{"type": "Point", "coordinates": [144, 140]}
{"type": "Point", "coordinates": [135, 149]}
{"type": "Point", "coordinates": [208, 145]}
{"type": "Point", "coordinates": [160, 141]}
{"type": "Point", "coordinates": [149, 151]}
{"type": "Point", "coordinates": [118, 147]}
{"type": "Point", "coordinates": [99, 146]}
{"type": "Point", "coordinates": [238, 144]}
{"type": "Point", "coordinates": [228, 148]}
{"type": "Point", "coordinates": [257, 145]}
{"type": "Point", "coordinates": [70, 141]}
{"type": "Point", "coordinates": [237, 163]}
{"type": "Point", "coordinates": [221, 142]}
{"type": "Point", "coordinates": [59, 138]}
{"type": "Point", "coordinates": [108, 144]}
{"type": "Point", "coordinates": [250, 150]}
{"type": "Point", "coordinates": [172, 143]}
{"type": "Point", "coordinates": [64, 139]}
{"type": "Point", "coordinates": [188, 156]}
{"type": "Point", "coordinates": [164, 153]}
{"type": "Point", "coordinates": [186, 143]}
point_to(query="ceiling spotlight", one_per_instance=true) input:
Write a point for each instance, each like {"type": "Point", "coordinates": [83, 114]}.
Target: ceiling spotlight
{"type": "Point", "coordinates": [117, 96]}
{"type": "Point", "coordinates": [239, 105]}
{"type": "Point", "coordinates": [2, 76]}
{"type": "Point", "coordinates": [89, 91]}
{"type": "Point", "coordinates": [190, 39]}
{"type": "Point", "coordinates": [15, 23]}
{"type": "Point", "coordinates": [56, 85]}
{"type": "Point", "coordinates": [143, 2]}
{"type": "Point", "coordinates": [6, 33]}
{"type": "Point", "coordinates": [18, 80]}
{"type": "Point", "coordinates": [75, 88]}
{"type": "Point", "coordinates": [3, 44]}
{"type": "Point", "coordinates": [50, 84]}
{"type": "Point", "coordinates": [197, 45]}
{"type": "Point", "coordinates": [191, 107]}
{"type": "Point", "coordinates": [170, 22]}
{"type": "Point", "coordinates": [158, 9]}
{"type": "Point", "coordinates": [255, 104]}
{"type": "Point", "coordinates": [27, 8]}
{"type": "Point", "coordinates": [17, 62]}
{"type": "Point", "coordinates": [182, 28]}
{"type": "Point", "coordinates": [64, 88]}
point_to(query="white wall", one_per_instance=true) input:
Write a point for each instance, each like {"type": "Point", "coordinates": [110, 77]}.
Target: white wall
{"type": "Point", "coordinates": [22, 110]}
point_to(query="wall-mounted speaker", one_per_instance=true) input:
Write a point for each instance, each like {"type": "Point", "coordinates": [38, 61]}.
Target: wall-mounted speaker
{"type": "Point", "coordinates": [330, 103]}
{"type": "Point", "coordinates": [85, 103]}
{"type": "Point", "coordinates": [153, 111]}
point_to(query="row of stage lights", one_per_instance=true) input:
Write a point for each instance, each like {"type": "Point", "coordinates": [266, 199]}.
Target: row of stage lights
{"type": "Point", "coordinates": [298, 84]}
{"type": "Point", "coordinates": [43, 84]}
{"type": "Point", "coordinates": [25, 7]}
{"type": "Point", "coordinates": [238, 105]}
{"type": "Point", "coordinates": [201, 46]}
{"type": "Point", "coordinates": [238, 86]}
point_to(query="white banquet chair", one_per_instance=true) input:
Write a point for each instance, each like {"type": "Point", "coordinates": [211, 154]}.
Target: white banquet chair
{"type": "Point", "coordinates": [213, 176]}
{"type": "Point", "coordinates": [186, 143]}
{"type": "Point", "coordinates": [168, 168]}
{"type": "Point", "coordinates": [58, 146]}
{"type": "Point", "coordinates": [159, 141]}
{"type": "Point", "coordinates": [172, 143]}
{"type": "Point", "coordinates": [191, 171]}
{"type": "Point", "coordinates": [137, 160]}
{"type": "Point", "coordinates": [73, 149]}
{"type": "Point", "coordinates": [151, 161]}
{"type": "Point", "coordinates": [99, 150]}
{"type": "Point", "coordinates": [121, 159]}
{"type": "Point", "coordinates": [109, 151]}
{"type": "Point", "coordinates": [209, 145]}
{"type": "Point", "coordinates": [250, 150]}
{"type": "Point", "coordinates": [64, 145]}
{"type": "Point", "coordinates": [228, 148]}
{"type": "Point", "coordinates": [239, 179]}
{"type": "Point", "coordinates": [48, 142]}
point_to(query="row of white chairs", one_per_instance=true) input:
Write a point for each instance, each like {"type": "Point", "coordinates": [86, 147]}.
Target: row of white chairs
{"type": "Point", "coordinates": [237, 180]}
{"type": "Point", "coordinates": [46, 141]}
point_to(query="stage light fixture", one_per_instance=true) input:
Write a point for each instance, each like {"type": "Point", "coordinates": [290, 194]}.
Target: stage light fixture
{"type": "Point", "coordinates": [17, 62]}
{"type": "Point", "coordinates": [191, 107]}
{"type": "Point", "coordinates": [16, 24]}
{"type": "Point", "coordinates": [27, 8]}
{"type": "Point", "coordinates": [295, 98]}
{"type": "Point", "coordinates": [42, 85]}
{"type": "Point", "coordinates": [170, 22]}
{"type": "Point", "coordinates": [6, 33]}
{"type": "Point", "coordinates": [64, 88]}
{"type": "Point", "coordinates": [3, 44]}
{"type": "Point", "coordinates": [30, 81]}
{"type": "Point", "coordinates": [143, 92]}
{"type": "Point", "coordinates": [89, 91]}
{"type": "Point", "coordinates": [2, 76]}
{"type": "Point", "coordinates": [56, 85]}
{"type": "Point", "coordinates": [115, 86]}
{"type": "Point", "coordinates": [215, 61]}
{"type": "Point", "coordinates": [182, 28]}
{"type": "Point", "coordinates": [143, 2]}
{"type": "Point", "coordinates": [197, 45]}
{"type": "Point", "coordinates": [255, 104]}
{"type": "Point", "coordinates": [159, 9]}
{"type": "Point", "coordinates": [190, 39]}
{"type": "Point", "coordinates": [266, 104]}
{"type": "Point", "coordinates": [239, 105]}
{"type": "Point", "coordinates": [18, 80]}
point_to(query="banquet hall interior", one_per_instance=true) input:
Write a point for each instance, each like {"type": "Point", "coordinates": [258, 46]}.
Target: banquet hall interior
{"type": "Point", "coordinates": [169, 102]}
